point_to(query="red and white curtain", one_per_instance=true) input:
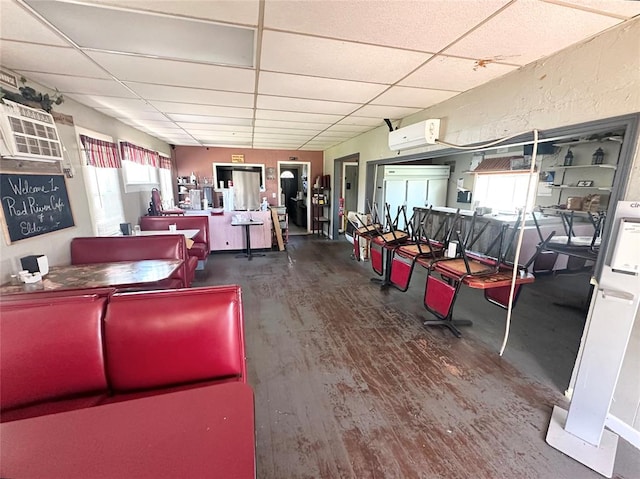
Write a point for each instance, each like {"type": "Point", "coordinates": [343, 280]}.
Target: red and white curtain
{"type": "Point", "coordinates": [165, 162]}
{"type": "Point", "coordinates": [137, 154]}
{"type": "Point", "coordinates": [100, 153]}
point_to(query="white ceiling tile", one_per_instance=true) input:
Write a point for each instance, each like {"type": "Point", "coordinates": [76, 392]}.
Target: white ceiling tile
{"type": "Point", "coordinates": [114, 103]}
{"type": "Point", "coordinates": [503, 38]}
{"type": "Point", "coordinates": [110, 29]}
{"type": "Point", "coordinates": [197, 127]}
{"type": "Point", "coordinates": [302, 105]}
{"type": "Point", "coordinates": [48, 59]}
{"type": "Point", "coordinates": [213, 120]}
{"type": "Point", "coordinates": [192, 109]}
{"type": "Point", "coordinates": [131, 114]}
{"type": "Point", "coordinates": [171, 72]}
{"type": "Point", "coordinates": [79, 85]}
{"type": "Point", "coordinates": [282, 136]}
{"type": "Point", "coordinates": [289, 53]}
{"type": "Point", "coordinates": [16, 23]}
{"type": "Point", "coordinates": [294, 125]}
{"type": "Point", "coordinates": [223, 136]}
{"type": "Point", "coordinates": [226, 143]}
{"type": "Point", "coordinates": [343, 127]}
{"type": "Point", "coordinates": [622, 8]}
{"type": "Point", "coordinates": [301, 86]}
{"type": "Point", "coordinates": [296, 116]}
{"type": "Point", "coordinates": [333, 135]}
{"type": "Point", "coordinates": [408, 96]}
{"type": "Point", "coordinates": [457, 74]}
{"type": "Point", "coordinates": [192, 95]}
{"type": "Point", "coordinates": [382, 112]}
{"type": "Point", "coordinates": [416, 25]}
{"type": "Point", "coordinates": [363, 121]}
{"type": "Point", "coordinates": [244, 12]}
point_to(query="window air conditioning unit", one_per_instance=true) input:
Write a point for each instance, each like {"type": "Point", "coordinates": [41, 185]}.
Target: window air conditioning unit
{"type": "Point", "coordinates": [28, 134]}
{"type": "Point", "coordinates": [419, 134]}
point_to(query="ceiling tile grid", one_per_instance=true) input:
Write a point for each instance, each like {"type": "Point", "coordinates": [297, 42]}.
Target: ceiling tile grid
{"type": "Point", "coordinates": [282, 74]}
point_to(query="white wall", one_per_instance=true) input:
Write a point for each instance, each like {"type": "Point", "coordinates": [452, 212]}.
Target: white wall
{"type": "Point", "coordinates": [56, 245]}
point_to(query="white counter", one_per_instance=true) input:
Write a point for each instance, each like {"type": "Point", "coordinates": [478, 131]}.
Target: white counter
{"type": "Point", "coordinates": [224, 237]}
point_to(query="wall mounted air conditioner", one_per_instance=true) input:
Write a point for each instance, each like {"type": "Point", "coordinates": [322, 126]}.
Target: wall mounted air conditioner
{"type": "Point", "coordinates": [28, 134]}
{"type": "Point", "coordinates": [419, 134]}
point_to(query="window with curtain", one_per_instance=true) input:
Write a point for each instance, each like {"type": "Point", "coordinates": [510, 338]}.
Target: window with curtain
{"type": "Point", "coordinates": [166, 181]}
{"type": "Point", "coordinates": [139, 165]}
{"type": "Point", "coordinates": [101, 171]}
{"type": "Point", "coordinates": [505, 191]}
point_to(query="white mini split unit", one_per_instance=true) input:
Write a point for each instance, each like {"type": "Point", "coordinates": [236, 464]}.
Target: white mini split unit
{"type": "Point", "coordinates": [28, 134]}
{"type": "Point", "coordinates": [419, 134]}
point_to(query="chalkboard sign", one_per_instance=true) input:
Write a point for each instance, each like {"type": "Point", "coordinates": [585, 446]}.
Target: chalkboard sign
{"type": "Point", "coordinates": [33, 205]}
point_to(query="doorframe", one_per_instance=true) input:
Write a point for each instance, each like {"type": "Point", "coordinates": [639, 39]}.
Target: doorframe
{"type": "Point", "coordinates": [335, 195]}
{"type": "Point", "coordinates": [283, 165]}
{"type": "Point", "coordinates": [343, 187]}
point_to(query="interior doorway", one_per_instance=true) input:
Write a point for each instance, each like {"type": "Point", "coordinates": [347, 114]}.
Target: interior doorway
{"type": "Point", "coordinates": [349, 191]}
{"type": "Point", "coordinates": [293, 193]}
{"type": "Point", "coordinates": [338, 193]}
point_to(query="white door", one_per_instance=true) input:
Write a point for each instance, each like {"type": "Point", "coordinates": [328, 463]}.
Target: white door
{"type": "Point", "coordinates": [416, 195]}
{"type": "Point", "coordinates": [437, 192]}
{"type": "Point", "coordinates": [395, 193]}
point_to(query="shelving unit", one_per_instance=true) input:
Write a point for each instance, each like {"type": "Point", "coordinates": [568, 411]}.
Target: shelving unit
{"type": "Point", "coordinates": [321, 210]}
{"type": "Point", "coordinates": [184, 191]}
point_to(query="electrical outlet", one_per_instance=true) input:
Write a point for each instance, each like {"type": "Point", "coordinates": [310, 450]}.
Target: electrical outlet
{"type": "Point", "coordinates": [432, 131]}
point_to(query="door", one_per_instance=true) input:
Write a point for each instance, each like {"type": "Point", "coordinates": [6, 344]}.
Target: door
{"type": "Point", "coordinates": [395, 195]}
{"type": "Point", "coordinates": [437, 192]}
{"type": "Point", "coordinates": [416, 196]}
{"type": "Point", "coordinates": [350, 189]}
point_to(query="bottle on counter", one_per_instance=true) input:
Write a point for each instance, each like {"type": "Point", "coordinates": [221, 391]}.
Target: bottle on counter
{"type": "Point", "coordinates": [192, 178]}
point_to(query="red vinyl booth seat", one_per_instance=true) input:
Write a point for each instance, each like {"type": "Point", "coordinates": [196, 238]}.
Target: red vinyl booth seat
{"type": "Point", "coordinates": [63, 353]}
{"type": "Point", "coordinates": [201, 244]}
{"type": "Point", "coordinates": [86, 250]}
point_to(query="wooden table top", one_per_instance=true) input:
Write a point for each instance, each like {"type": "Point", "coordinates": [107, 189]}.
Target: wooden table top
{"type": "Point", "coordinates": [97, 275]}
{"type": "Point", "coordinates": [482, 275]}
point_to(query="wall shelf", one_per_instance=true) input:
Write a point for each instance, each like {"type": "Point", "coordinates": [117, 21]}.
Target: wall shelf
{"type": "Point", "coordinates": [560, 167]}
{"type": "Point", "coordinates": [601, 188]}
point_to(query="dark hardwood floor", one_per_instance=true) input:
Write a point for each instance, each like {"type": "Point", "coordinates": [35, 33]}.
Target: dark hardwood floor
{"type": "Point", "coordinates": [349, 383]}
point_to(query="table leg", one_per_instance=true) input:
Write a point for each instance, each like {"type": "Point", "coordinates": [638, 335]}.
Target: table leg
{"type": "Point", "coordinates": [247, 236]}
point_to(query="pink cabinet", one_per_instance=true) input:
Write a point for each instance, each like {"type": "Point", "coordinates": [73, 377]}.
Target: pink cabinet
{"type": "Point", "coordinates": [226, 237]}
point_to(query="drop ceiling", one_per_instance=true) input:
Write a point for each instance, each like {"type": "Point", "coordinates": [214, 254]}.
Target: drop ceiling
{"type": "Point", "coordinates": [300, 74]}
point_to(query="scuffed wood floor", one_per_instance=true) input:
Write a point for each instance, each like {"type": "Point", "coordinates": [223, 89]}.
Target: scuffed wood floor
{"type": "Point", "coordinates": [349, 384]}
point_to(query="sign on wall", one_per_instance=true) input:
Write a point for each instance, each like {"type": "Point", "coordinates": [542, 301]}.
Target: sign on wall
{"type": "Point", "coordinates": [33, 205]}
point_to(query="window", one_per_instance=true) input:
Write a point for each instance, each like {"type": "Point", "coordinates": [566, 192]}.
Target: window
{"type": "Point", "coordinates": [101, 171]}
{"type": "Point", "coordinates": [166, 182]}
{"type": "Point", "coordinates": [139, 165]}
{"type": "Point", "coordinates": [505, 191]}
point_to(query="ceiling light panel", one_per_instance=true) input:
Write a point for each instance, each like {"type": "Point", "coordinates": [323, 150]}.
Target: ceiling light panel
{"type": "Point", "coordinates": [363, 120]}
{"type": "Point", "coordinates": [155, 35]}
{"type": "Point", "coordinates": [191, 95]}
{"type": "Point", "coordinates": [424, 25]}
{"type": "Point", "coordinates": [504, 39]}
{"type": "Point", "coordinates": [302, 105]}
{"type": "Point", "coordinates": [190, 108]}
{"type": "Point", "coordinates": [245, 12]}
{"type": "Point", "coordinates": [290, 53]}
{"type": "Point", "coordinates": [301, 86]}
{"type": "Point", "coordinates": [18, 24]}
{"type": "Point", "coordinates": [176, 73]}
{"type": "Point", "coordinates": [407, 96]}
{"type": "Point", "coordinates": [48, 59]}
{"type": "Point", "coordinates": [114, 103]}
{"type": "Point", "coordinates": [459, 74]}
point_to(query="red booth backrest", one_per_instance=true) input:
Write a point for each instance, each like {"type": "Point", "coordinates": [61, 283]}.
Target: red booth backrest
{"type": "Point", "coordinates": [131, 248]}
{"type": "Point", "coordinates": [172, 337]}
{"type": "Point", "coordinates": [188, 222]}
{"type": "Point", "coordinates": [51, 348]}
